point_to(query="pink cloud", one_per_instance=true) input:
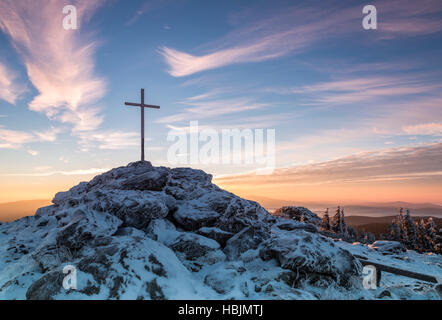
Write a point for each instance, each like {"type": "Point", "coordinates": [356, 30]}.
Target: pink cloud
{"type": "Point", "coordinates": [351, 90]}
{"type": "Point", "coordinates": [401, 18]}
{"type": "Point", "coordinates": [14, 139]}
{"type": "Point", "coordinates": [424, 129]}
{"type": "Point", "coordinates": [59, 62]}
{"type": "Point", "coordinates": [10, 89]}
{"type": "Point", "coordinates": [298, 28]}
{"type": "Point", "coordinates": [282, 34]}
{"type": "Point", "coordinates": [408, 163]}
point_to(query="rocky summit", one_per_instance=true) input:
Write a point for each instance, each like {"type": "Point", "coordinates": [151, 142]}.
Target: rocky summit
{"type": "Point", "coordinates": [144, 232]}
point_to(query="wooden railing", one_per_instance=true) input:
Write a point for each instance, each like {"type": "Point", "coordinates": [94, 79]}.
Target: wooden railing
{"type": "Point", "coordinates": [406, 273]}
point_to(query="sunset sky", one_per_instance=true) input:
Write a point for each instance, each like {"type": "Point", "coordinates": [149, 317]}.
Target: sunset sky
{"type": "Point", "coordinates": [357, 113]}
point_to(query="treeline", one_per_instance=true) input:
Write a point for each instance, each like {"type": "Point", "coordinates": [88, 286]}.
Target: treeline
{"type": "Point", "coordinates": [336, 227]}
{"type": "Point", "coordinates": [422, 236]}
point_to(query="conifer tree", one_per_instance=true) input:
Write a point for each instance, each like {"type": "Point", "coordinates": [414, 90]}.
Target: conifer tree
{"type": "Point", "coordinates": [402, 226]}
{"type": "Point", "coordinates": [395, 231]}
{"type": "Point", "coordinates": [326, 221]}
{"type": "Point", "coordinates": [352, 233]}
{"type": "Point", "coordinates": [411, 231]}
{"type": "Point", "coordinates": [336, 221]}
{"type": "Point", "coordinates": [343, 228]}
{"type": "Point", "coordinates": [433, 237]}
{"type": "Point", "coordinates": [370, 237]}
{"type": "Point", "coordinates": [363, 236]}
{"type": "Point", "coordinates": [423, 243]}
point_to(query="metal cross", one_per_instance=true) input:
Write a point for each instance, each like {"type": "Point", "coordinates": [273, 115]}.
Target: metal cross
{"type": "Point", "coordinates": [142, 106]}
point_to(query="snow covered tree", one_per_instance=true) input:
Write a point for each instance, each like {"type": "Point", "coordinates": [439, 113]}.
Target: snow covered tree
{"type": "Point", "coordinates": [432, 236]}
{"type": "Point", "coordinates": [325, 225]}
{"type": "Point", "coordinates": [411, 232]}
{"type": "Point", "coordinates": [352, 233]}
{"type": "Point", "coordinates": [343, 223]}
{"type": "Point", "coordinates": [395, 231]}
{"type": "Point", "coordinates": [336, 223]}
{"type": "Point", "coordinates": [424, 239]}
{"type": "Point", "coordinates": [369, 238]}
{"type": "Point", "coordinates": [402, 226]}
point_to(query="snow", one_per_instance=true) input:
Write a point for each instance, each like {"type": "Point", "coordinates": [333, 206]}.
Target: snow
{"type": "Point", "coordinates": [144, 232]}
{"type": "Point", "coordinates": [400, 287]}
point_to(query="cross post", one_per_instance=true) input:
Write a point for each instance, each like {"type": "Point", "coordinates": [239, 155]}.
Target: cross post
{"type": "Point", "coordinates": [142, 106]}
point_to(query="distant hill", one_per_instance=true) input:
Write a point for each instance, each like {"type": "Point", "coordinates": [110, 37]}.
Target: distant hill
{"type": "Point", "coordinates": [372, 209]}
{"type": "Point", "coordinates": [11, 211]}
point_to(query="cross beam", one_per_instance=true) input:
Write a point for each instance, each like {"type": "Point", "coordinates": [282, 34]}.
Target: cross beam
{"type": "Point", "coordinates": [142, 106]}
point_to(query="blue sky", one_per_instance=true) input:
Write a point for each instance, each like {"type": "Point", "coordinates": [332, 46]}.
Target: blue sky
{"type": "Point", "coordinates": [305, 68]}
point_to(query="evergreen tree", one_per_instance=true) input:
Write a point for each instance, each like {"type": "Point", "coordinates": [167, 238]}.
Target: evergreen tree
{"type": "Point", "coordinates": [363, 236]}
{"type": "Point", "coordinates": [411, 231]}
{"type": "Point", "coordinates": [423, 243]}
{"type": "Point", "coordinates": [432, 236]}
{"type": "Point", "coordinates": [336, 224]}
{"type": "Point", "coordinates": [402, 226]}
{"type": "Point", "coordinates": [395, 231]}
{"type": "Point", "coordinates": [352, 234]}
{"type": "Point", "coordinates": [370, 238]}
{"type": "Point", "coordinates": [326, 221]}
{"type": "Point", "coordinates": [343, 223]}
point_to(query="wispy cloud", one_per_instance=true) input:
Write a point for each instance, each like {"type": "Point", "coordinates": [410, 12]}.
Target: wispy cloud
{"type": "Point", "coordinates": [48, 135]}
{"type": "Point", "coordinates": [270, 38]}
{"type": "Point", "coordinates": [200, 108]}
{"type": "Point", "coordinates": [297, 29]}
{"type": "Point", "coordinates": [33, 152]}
{"type": "Point", "coordinates": [409, 18]}
{"type": "Point", "coordinates": [14, 139]}
{"type": "Point", "coordinates": [77, 172]}
{"type": "Point", "coordinates": [107, 139]}
{"type": "Point", "coordinates": [424, 129]}
{"type": "Point", "coordinates": [59, 62]}
{"type": "Point", "coordinates": [351, 90]}
{"type": "Point", "coordinates": [10, 89]}
{"type": "Point", "coordinates": [409, 163]}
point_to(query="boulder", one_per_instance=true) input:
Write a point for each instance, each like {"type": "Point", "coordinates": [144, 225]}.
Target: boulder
{"type": "Point", "coordinates": [154, 180]}
{"type": "Point", "coordinates": [311, 255]}
{"type": "Point", "coordinates": [388, 247]}
{"type": "Point", "coordinates": [192, 216]}
{"type": "Point", "coordinates": [216, 234]}
{"type": "Point", "coordinates": [247, 239]}
{"type": "Point", "coordinates": [300, 214]}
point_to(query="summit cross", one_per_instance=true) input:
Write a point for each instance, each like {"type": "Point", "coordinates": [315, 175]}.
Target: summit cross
{"type": "Point", "coordinates": [142, 106]}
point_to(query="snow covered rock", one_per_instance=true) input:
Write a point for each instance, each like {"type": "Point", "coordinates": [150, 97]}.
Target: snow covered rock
{"type": "Point", "coordinates": [194, 215]}
{"type": "Point", "coordinates": [388, 247]}
{"type": "Point", "coordinates": [216, 234]}
{"type": "Point", "coordinates": [299, 214]}
{"type": "Point", "coordinates": [144, 232]}
{"type": "Point", "coordinates": [248, 239]}
{"type": "Point", "coordinates": [315, 256]}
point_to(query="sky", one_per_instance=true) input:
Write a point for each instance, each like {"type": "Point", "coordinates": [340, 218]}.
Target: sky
{"type": "Point", "coordinates": [357, 113]}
